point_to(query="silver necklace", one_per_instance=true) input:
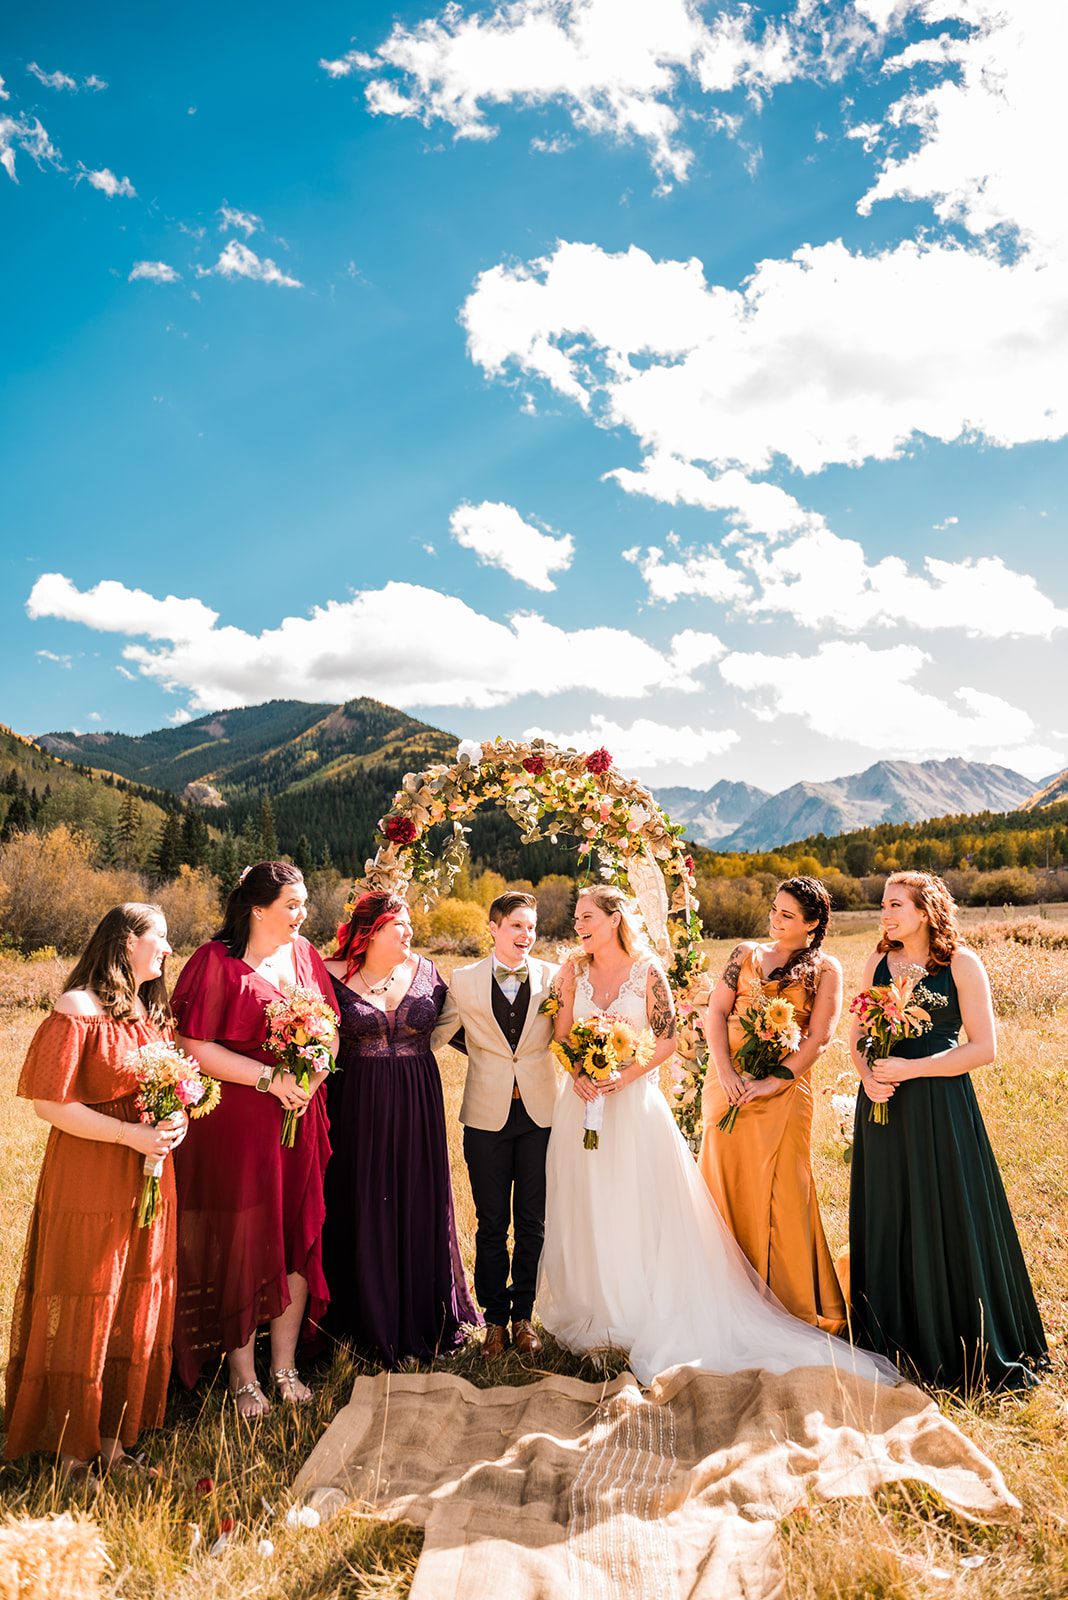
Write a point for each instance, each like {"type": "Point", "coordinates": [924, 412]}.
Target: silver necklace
{"type": "Point", "coordinates": [377, 988]}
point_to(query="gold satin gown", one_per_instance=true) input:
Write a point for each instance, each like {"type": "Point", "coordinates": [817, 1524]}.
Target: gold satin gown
{"type": "Point", "coordinates": [760, 1175]}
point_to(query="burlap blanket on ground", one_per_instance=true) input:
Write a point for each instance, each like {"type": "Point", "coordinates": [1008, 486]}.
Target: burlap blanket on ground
{"type": "Point", "coordinates": [570, 1489]}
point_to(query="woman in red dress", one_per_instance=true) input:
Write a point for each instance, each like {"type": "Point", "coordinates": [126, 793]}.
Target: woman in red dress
{"type": "Point", "coordinates": [91, 1331]}
{"type": "Point", "coordinates": [250, 1212]}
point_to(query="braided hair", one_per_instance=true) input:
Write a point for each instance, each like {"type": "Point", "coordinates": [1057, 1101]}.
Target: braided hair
{"type": "Point", "coordinates": [804, 966]}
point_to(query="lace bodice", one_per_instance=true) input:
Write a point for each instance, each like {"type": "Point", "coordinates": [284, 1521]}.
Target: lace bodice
{"type": "Point", "coordinates": [628, 1005]}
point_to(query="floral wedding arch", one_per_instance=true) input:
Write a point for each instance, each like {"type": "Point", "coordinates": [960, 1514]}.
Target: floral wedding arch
{"type": "Point", "coordinates": [624, 838]}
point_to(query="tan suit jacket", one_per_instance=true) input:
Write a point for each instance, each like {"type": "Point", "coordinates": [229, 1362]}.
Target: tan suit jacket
{"type": "Point", "coordinates": [492, 1068]}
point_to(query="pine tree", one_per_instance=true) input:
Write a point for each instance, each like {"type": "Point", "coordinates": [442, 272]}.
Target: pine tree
{"type": "Point", "coordinates": [11, 782]}
{"type": "Point", "coordinates": [18, 819]}
{"type": "Point", "coordinates": [302, 855]}
{"type": "Point", "coordinates": [326, 860]}
{"type": "Point", "coordinates": [194, 838]}
{"type": "Point", "coordinates": [268, 835]}
{"type": "Point", "coordinates": [107, 852]}
{"type": "Point", "coordinates": [126, 829]}
{"type": "Point", "coordinates": [225, 863]}
{"type": "Point", "coordinates": [167, 857]}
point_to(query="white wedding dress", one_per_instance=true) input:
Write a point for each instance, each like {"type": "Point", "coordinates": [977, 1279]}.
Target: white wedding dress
{"type": "Point", "coordinates": [636, 1254]}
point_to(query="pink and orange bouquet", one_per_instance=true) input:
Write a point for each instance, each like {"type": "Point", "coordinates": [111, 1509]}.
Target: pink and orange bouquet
{"type": "Point", "coordinates": [299, 1029]}
{"type": "Point", "coordinates": [170, 1083]}
{"type": "Point", "coordinates": [771, 1034]}
{"type": "Point", "coordinates": [597, 1048]}
{"type": "Point", "coordinates": [889, 1012]}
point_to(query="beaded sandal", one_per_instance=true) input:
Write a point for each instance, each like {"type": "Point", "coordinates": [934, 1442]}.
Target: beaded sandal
{"type": "Point", "coordinates": [285, 1380]}
{"type": "Point", "coordinates": [249, 1388]}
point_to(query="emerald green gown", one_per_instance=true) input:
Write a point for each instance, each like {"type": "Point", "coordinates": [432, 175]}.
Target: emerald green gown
{"type": "Point", "coordinates": [937, 1278]}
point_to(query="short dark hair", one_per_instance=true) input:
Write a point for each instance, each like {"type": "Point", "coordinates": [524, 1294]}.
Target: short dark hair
{"type": "Point", "coordinates": [510, 901]}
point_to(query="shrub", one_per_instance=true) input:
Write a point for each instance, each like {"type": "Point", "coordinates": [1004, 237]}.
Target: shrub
{"type": "Point", "coordinates": [556, 906]}
{"type": "Point", "coordinates": [1011, 887]}
{"type": "Point", "coordinates": [327, 894]}
{"type": "Point", "coordinates": [50, 894]}
{"type": "Point", "coordinates": [190, 903]}
{"type": "Point", "coordinates": [733, 908]}
{"type": "Point", "coordinates": [459, 926]}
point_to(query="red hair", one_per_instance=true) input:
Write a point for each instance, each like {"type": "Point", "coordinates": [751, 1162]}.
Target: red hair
{"type": "Point", "coordinates": [369, 915]}
{"type": "Point", "coordinates": [929, 894]}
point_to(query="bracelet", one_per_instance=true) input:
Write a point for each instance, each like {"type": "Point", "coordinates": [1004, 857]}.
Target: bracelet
{"type": "Point", "coordinates": [120, 1136]}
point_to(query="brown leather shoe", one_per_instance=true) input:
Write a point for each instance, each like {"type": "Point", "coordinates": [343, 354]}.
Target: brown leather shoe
{"type": "Point", "coordinates": [496, 1341]}
{"type": "Point", "coordinates": [524, 1338]}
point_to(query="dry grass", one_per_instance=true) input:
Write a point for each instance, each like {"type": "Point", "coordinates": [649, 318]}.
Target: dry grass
{"type": "Point", "coordinates": [903, 1547]}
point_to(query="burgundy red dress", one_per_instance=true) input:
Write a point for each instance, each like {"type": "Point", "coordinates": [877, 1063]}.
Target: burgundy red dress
{"type": "Point", "coordinates": [389, 1246]}
{"type": "Point", "coordinates": [249, 1211]}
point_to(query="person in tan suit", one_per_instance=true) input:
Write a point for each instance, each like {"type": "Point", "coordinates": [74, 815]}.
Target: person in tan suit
{"type": "Point", "coordinates": [506, 1112]}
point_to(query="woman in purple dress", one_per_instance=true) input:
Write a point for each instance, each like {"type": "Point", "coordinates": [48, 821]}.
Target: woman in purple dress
{"type": "Point", "coordinates": [390, 1253]}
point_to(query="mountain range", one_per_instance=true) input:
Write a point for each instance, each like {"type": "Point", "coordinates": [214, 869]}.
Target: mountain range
{"type": "Point", "coordinates": [330, 772]}
{"type": "Point", "coordinates": [888, 791]}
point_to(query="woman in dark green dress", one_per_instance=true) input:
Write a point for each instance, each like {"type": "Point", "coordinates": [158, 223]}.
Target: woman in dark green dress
{"type": "Point", "coordinates": [937, 1278]}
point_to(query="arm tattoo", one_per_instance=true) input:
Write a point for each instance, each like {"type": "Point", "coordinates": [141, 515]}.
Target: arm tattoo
{"type": "Point", "coordinates": [734, 966]}
{"type": "Point", "coordinates": [662, 1018]}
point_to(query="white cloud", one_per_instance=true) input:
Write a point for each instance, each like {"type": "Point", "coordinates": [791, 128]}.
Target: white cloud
{"type": "Point", "coordinates": [849, 691]}
{"type": "Point", "coordinates": [829, 357]}
{"type": "Point", "coordinates": [820, 579]}
{"type": "Point", "coordinates": [947, 522]}
{"type": "Point", "coordinates": [154, 272]}
{"type": "Point", "coordinates": [60, 661]}
{"type": "Point", "coordinates": [94, 83]}
{"type": "Point", "coordinates": [238, 261]}
{"type": "Point", "coordinates": [94, 716]}
{"type": "Point", "coordinates": [500, 538]}
{"type": "Point", "coordinates": [3, 92]}
{"type": "Point", "coordinates": [246, 221]}
{"type": "Point", "coordinates": [704, 574]}
{"type": "Point", "coordinates": [28, 135]}
{"type": "Point", "coordinates": [617, 66]}
{"type": "Point", "coordinates": [644, 743]}
{"type": "Point", "coordinates": [1035, 761]}
{"type": "Point", "coordinates": [759, 507]}
{"type": "Point", "coordinates": [51, 80]}
{"type": "Point", "coordinates": [446, 653]}
{"type": "Point", "coordinates": [176, 718]}
{"type": "Point", "coordinates": [106, 181]}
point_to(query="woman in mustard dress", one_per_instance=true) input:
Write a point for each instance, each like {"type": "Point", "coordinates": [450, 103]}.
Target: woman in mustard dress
{"type": "Point", "coordinates": [760, 1173]}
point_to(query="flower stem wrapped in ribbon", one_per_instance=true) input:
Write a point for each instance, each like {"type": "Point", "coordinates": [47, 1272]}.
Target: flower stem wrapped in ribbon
{"type": "Point", "coordinates": [171, 1083]}
{"type": "Point", "coordinates": [299, 1027]}
{"type": "Point", "coordinates": [596, 1049]}
{"type": "Point", "coordinates": [771, 1034]}
{"type": "Point", "coordinates": [889, 1012]}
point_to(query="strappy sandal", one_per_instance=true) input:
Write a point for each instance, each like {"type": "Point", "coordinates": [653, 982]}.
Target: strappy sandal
{"type": "Point", "coordinates": [284, 1380]}
{"type": "Point", "coordinates": [86, 1475]}
{"type": "Point", "coordinates": [237, 1394]}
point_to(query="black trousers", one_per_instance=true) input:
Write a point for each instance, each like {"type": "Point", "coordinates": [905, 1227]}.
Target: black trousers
{"type": "Point", "coordinates": [507, 1172]}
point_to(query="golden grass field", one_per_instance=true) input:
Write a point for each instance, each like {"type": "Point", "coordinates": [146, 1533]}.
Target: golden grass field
{"type": "Point", "coordinates": [900, 1548]}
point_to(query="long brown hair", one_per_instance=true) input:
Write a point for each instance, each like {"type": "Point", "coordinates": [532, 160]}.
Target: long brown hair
{"type": "Point", "coordinates": [104, 966]}
{"type": "Point", "coordinates": [930, 895]}
{"type": "Point", "coordinates": [804, 965]}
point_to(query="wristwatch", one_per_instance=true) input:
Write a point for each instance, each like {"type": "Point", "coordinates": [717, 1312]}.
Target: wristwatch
{"type": "Point", "coordinates": [265, 1079]}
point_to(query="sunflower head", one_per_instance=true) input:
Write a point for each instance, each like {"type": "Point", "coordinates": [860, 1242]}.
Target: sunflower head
{"type": "Point", "coordinates": [622, 1039]}
{"type": "Point", "coordinates": [779, 1014]}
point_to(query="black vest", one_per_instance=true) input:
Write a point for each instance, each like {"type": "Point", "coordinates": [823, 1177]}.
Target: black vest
{"type": "Point", "coordinates": [511, 1018]}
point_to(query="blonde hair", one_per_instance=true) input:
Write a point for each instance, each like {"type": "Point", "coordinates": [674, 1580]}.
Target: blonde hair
{"type": "Point", "coordinates": [630, 933]}
{"type": "Point", "coordinates": [929, 894]}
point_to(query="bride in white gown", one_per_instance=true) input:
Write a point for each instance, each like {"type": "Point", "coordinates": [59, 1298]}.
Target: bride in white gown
{"type": "Point", "coordinates": [636, 1254]}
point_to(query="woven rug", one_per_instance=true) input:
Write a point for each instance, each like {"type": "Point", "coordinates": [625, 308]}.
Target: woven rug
{"type": "Point", "coordinates": [614, 1493]}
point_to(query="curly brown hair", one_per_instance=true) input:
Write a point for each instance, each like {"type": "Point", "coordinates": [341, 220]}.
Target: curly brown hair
{"type": "Point", "coordinates": [805, 966]}
{"type": "Point", "coordinates": [930, 895]}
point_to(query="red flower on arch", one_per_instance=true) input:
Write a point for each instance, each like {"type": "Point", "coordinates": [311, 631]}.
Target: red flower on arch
{"type": "Point", "coordinates": [598, 761]}
{"type": "Point", "coordinates": [400, 830]}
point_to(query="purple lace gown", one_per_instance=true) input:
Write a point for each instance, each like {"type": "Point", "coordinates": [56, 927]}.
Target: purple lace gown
{"type": "Point", "coordinates": [390, 1253]}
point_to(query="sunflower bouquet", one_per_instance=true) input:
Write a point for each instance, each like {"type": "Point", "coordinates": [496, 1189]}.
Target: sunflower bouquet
{"type": "Point", "coordinates": [298, 1030]}
{"type": "Point", "coordinates": [889, 1012]}
{"type": "Point", "coordinates": [597, 1048]}
{"type": "Point", "coordinates": [771, 1034]}
{"type": "Point", "coordinates": [170, 1084]}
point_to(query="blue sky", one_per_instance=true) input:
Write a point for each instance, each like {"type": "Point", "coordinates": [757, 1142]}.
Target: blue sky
{"type": "Point", "coordinates": [326, 404]}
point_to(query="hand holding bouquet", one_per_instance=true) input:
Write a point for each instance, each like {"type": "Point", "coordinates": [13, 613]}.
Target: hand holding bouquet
{"type": "Point", "coordinates": [596, 1049]}
{"type": "Point", "coordinates": [771, 1034]}
{"type": "Point", "coordinates": [172, 1086]}
{"type": "Point", "coordinates": [298, 1030]}
{"type": "Point", "coordinates": [891, 1011]}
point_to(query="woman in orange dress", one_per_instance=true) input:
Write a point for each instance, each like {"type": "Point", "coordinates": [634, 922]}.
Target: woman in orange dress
{"type": "Point", "coordinates": [760, 1173]}
{"type": "Point", "coordinates": [91, 1332]}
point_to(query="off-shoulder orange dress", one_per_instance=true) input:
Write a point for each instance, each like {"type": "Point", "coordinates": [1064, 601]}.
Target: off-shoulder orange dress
{"type": "Point", "coordinates": [94, 1310]}
{"type": "Point", "coordinates": [760, 1174]}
